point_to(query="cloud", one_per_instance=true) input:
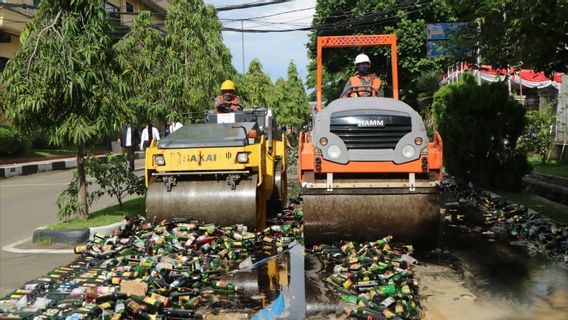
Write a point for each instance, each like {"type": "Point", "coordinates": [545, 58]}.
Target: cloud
{"type": "Point", "coordinates": [274, 50]}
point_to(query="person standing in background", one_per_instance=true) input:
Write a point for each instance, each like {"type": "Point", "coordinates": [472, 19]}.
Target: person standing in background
{"type": "Point", "coordinates": [129, 139]}
{"type": "Point", "coordinates": [144, 137]}
{"type": "Point", "coordinates": [171, 127]}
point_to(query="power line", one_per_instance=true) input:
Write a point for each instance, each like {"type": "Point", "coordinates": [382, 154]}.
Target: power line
{"type": "Point", "coordinates": [350, 22]}
{"type": "Point", "coordinates": [264, 31]}
{"type": "Point", "coordinates": [259, 3]}
{"type": "Point", "coordinates": [268, 15]}
{"type": "Point", "coordinates": [277, 24]}
{"type": "Point", "coordinates": [366, 20]}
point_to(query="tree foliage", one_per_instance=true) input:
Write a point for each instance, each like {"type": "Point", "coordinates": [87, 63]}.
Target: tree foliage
{"type": "Point", "coordinates": [406, 19]}
{"type": "Point", "coordinates": [481, 126]}
{"type": "Point", "coordinates": [255, 87]}
{"type": "Point", "coordinates": [290, 101]}
{"type": "Point", "coordinates": [287, 97]}
{"type": "Point", "coordinates": [11, 142]}
{"type": "Point", "coordinates": [531, 33]}
{"type": "Point", "coordinates": [197, 58]}
{"type": "Point", "coordinates": [539, 133]}
{"type": "Point", "coordinates": [178, 71]}
{"type": "Point", "coordinates": [142, 55]}
{"type": "Point", "coordinates": [64, 80]}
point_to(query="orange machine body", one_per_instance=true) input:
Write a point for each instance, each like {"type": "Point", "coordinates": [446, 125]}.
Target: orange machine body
{"type": "Point", "coordinates": [310, 160]}
{"type": "Point", "coordinates": [307, 161]}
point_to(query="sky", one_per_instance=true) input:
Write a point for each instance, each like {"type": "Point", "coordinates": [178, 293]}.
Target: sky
{"type": "Point", "coordinates": [274, 50]}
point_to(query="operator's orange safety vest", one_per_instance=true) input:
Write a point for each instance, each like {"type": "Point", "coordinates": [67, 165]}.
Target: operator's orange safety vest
{"type": "Point", "coordinates": [356, 82]}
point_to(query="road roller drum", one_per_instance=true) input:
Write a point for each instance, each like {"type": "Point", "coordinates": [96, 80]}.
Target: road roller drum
{"type": "Point", "coordinates": [205, 200]}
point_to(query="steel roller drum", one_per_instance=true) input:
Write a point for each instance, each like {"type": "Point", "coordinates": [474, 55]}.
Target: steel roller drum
{"type": "Point", "coordinates": [212, 201]}
{"type": "Point", "coordinates": [409, 217]}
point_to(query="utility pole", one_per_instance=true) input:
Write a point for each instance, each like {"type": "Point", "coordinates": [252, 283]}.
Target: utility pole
{"type": "Point", "coordinates": [243, 41]}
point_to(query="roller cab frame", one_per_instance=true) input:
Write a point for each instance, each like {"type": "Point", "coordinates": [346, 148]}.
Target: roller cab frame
{"type": "Point", "coordinates": [367, 167]}
{"type": "Point", "coordinates": [223, 171]}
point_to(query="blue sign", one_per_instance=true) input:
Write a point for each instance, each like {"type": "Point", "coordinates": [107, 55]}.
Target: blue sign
{"type": "Point", "coordinates": [437, 36]}
{"type": "Point", "coordinates": [442, 31]}
{"type": "Point", "coordinates": [435, 48]}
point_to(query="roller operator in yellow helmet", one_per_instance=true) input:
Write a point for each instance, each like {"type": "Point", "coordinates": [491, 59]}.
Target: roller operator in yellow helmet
{"type": "Point", "coordinates": [228, 101]}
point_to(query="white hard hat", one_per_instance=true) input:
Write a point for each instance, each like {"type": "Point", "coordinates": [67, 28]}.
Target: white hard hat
{"type": "Point", "coordinates": [362, 58]}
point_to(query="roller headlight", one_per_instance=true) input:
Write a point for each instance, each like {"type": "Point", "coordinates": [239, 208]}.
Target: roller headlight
{"type": "Point", "coordinates": [242, 157]}
{"type": "Point", "coordinates": [159, 160]}
{"type": "Point", "coordinates": [333, 151]}
{"type": "Point", "coordinates": [408, 151]}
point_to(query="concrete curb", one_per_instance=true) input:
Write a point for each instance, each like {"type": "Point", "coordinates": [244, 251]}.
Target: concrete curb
{"type": "Point", "coordinates": [550, 187]}
{"type": "Point", "coordinates": [73, 235]}
{"type": "Point", "coordinates": [61, 236]}
{"type": "Point", "coordinates": [108, 229]}
{"type": "Point", "coordinates": [69, 234]}
{"type": "Point", "coordinates": [11, 248]}
{"type": "Point", "coordinates": [22, 169]}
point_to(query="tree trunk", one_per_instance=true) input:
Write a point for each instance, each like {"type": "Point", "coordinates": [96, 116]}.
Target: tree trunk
{"type": "Point", "coordinates": [81, 176]}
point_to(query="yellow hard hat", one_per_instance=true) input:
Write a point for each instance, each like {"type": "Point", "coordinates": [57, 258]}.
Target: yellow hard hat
{"type": "Point", "coordinates": [228, 85]}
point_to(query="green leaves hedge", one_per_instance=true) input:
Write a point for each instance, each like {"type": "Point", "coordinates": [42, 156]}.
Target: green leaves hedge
{"type": "Point", "coordinates": [480, 126]}
{"type": "Point", "coordinates": [11, 143]}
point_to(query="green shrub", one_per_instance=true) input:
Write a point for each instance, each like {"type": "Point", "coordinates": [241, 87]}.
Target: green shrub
{"type": "Point", "coordinates": [40, 142]}
{"type": "Point", "coordinates": [539, 132]}
{"type": "Point", "coordinates": [480, 126]}
{"type": "Point", "coordinates": [68, 201]}
{"type": "Point", "coordinates": [112, 177]}
{"type": "Point", "coordinates": [11, 143]}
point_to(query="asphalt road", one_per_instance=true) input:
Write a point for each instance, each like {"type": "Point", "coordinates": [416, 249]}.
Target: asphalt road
{"type": "Point", "coordinates": [28, 202]}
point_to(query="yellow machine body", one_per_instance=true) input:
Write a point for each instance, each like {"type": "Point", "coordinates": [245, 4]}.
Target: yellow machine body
{"type": "Point", "coordinates": [195, 175]}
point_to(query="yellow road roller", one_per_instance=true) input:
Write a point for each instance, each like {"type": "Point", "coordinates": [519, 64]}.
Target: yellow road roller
{"type": "Point", "coordinates": [226, 170]}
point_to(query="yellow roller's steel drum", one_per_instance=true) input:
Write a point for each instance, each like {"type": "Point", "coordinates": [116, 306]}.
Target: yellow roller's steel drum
{"type": "Point", "coordinates": [211, 201]}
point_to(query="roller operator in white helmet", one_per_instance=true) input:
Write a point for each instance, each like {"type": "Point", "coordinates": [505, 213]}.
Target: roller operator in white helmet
{"type": "Point", "coordinates": [364, 83]}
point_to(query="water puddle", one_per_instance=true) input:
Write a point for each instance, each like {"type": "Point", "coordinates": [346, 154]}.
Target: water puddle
{"type": "Point", "coordinates": [472, 278]}
{"type": "Point", "coordinates": [487, 277]}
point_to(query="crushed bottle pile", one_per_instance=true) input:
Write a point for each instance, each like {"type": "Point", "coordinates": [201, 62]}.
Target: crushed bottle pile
{"type": "Point", "coordinates": [178, 269]}
{"type": "Point", "coordinates": [540, 234]}
{"type": "Point", "coordinates": [152, 270]}
{"type": "Point", "coordinates": [375, 276]}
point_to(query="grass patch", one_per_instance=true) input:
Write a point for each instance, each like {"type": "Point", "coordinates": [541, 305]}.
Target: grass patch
{"type": "Point", "coordinates": [45, 242]}
{"type": "Point", "coordinates": [105, 216]}
{"type": "Point", "coordinates": [546, 207]}
{"type": "Point", "coordinates": [46, 153]}
{"type": "Point", "coordinates": [551, 167]}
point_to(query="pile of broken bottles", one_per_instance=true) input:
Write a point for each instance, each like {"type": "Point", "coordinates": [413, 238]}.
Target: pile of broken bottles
{"type": "Point", "coordinates": [152, 270]}
{"type": "Point", "coordinates": [375, 276]}
{"type": "Point", "coordinates": [538, 233]}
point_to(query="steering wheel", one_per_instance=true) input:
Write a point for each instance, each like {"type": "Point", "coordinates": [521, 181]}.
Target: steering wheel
{"type": "Point", "coordinates": [225, 107]}
{"type": "Point", "coordinates": [358, 90]}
